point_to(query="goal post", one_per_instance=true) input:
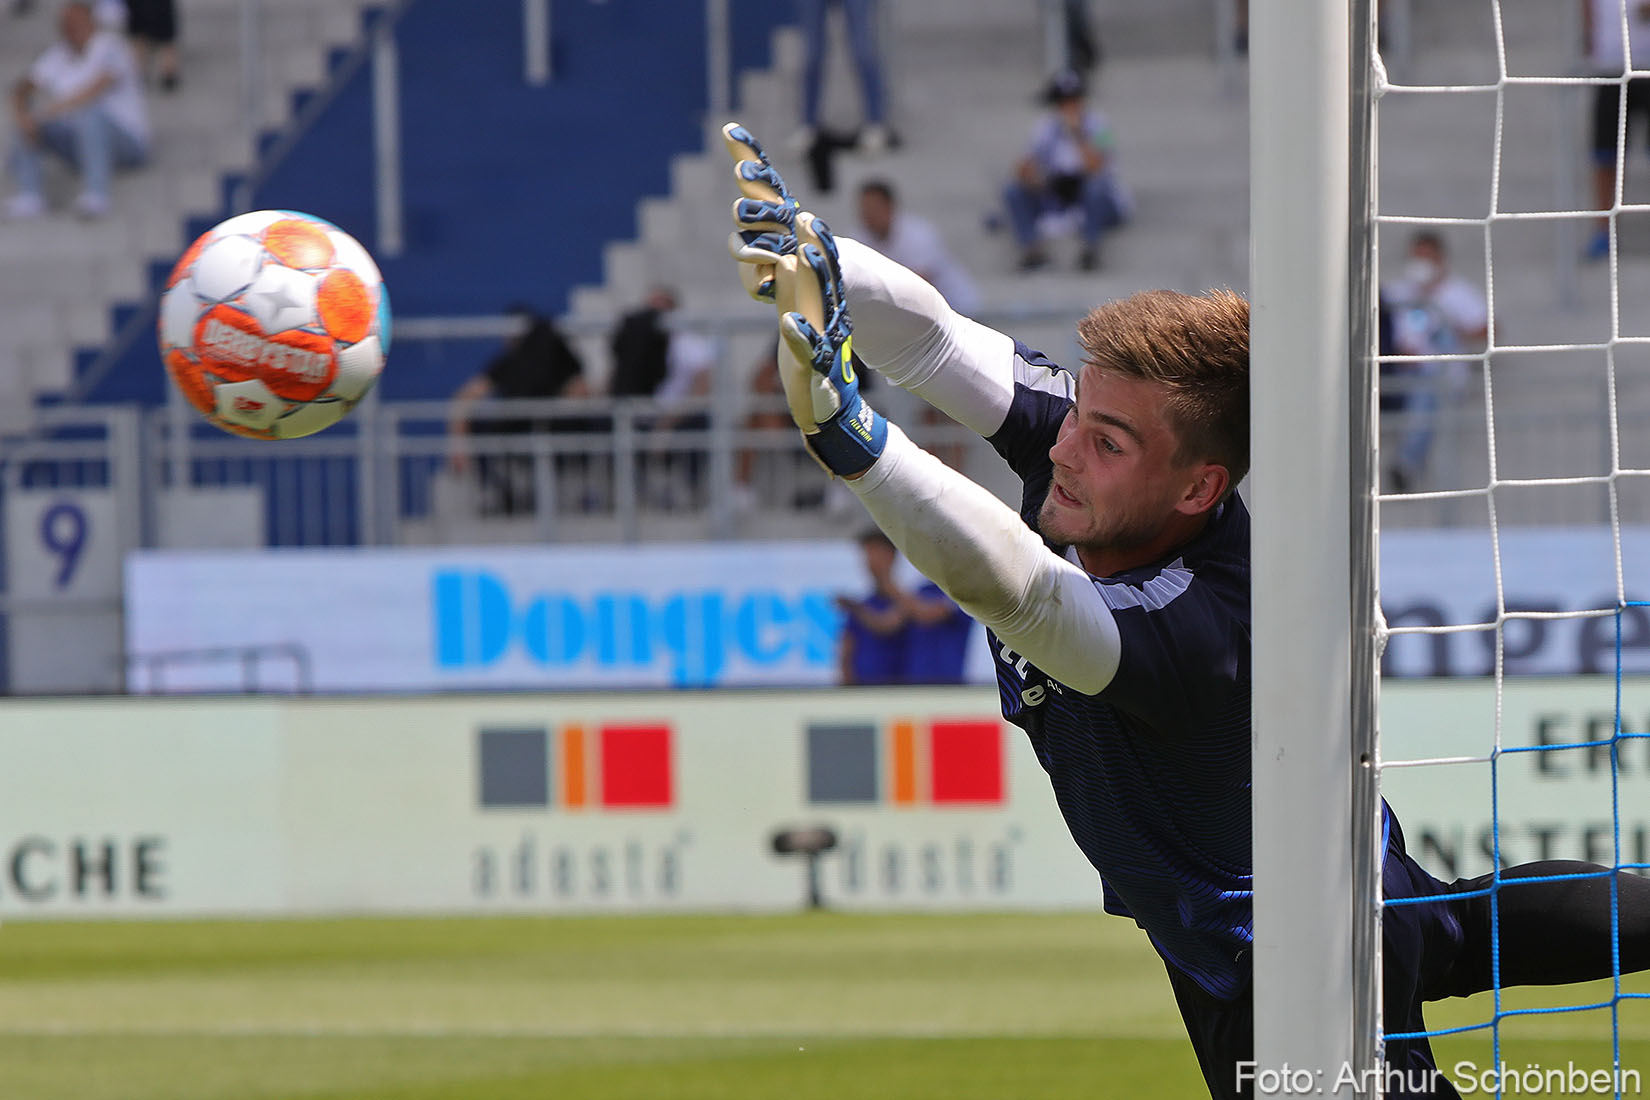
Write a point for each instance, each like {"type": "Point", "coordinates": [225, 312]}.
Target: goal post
{"type": "Point", "coordinates": [1316, 812]}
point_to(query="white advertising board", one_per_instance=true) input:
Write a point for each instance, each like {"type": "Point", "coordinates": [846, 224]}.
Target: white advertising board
{"type": "Point", "coordinates": [1554, 802]}
{"type": "Point", "coordinates": [1434, 578]}
{"type": "Point", "coordinates": [528, 804]}
{"type": "Point", "coordinates": [693, 615]}
{"type": "Point", "coordinates": [658, 801]}
{"type": "Point", "coordinates": [757, 614]}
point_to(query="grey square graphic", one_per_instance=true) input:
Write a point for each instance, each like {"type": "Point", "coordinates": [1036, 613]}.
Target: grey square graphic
{"type": "Point", "coordinates": [514, 767]}
{"type": "Point", "coordinates": [842, 763]}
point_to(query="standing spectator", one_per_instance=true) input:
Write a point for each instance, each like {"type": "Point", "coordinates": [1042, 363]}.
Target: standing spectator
{"type": "Point", "coordinates": [861, 16]}
{"type": "Point", "coordinates": [539, 363]}
{"type": "Point", "coordinates": [673, 366]}
{"type": "Point", "coordinates": [1431, 312]}
{"type": "Point", "coordinates": [874, 629]}
{"type": "Point", "coordinates": [153, 25]}
{"type": "Point", "coordinates": [90, 112]}
{"type": "Point", "coordinates": [1068, 167]}
{"type": "Point", "coordinates": [936, 636]}
{"type": "Point", "coordinates": [913, 241]}
{"type": "Point", "coordinates": [1608, 55]}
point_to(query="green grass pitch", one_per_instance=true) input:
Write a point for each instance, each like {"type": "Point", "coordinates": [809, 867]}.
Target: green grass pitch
{"type": "Point", "coordinates": [810, 1006]}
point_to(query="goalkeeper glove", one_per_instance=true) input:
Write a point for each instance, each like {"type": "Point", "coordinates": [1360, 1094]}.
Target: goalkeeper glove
{"type": "Point", "coordinates": [816, 364]}
{"type": "Point", "coordinates": [764, 216]}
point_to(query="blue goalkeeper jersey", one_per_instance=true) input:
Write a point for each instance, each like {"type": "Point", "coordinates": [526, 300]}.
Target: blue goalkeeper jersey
{"type": "Point", "coordinates": [1152, 774]}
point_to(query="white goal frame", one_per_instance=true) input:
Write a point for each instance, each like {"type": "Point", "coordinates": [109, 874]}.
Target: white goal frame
{"type": "Point", "coordinates": [1316, 805]}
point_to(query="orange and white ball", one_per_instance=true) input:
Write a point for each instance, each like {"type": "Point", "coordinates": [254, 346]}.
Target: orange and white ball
{"type": "Point", "coordinates": [274, 324]}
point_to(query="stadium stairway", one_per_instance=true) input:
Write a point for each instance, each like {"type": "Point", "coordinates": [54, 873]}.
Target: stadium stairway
{"type": "Point", "coordinates": [61, 278]}
{"type": "Point", "coordinates": [963, 78]}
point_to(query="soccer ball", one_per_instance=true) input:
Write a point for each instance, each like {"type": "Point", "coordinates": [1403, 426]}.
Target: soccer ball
{"type": "Point", "coordinates": [274, 324]}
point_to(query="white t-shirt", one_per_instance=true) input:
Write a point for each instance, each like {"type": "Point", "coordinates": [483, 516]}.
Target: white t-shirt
{"type": "Point", "coordinates": [62, 74]}
{"type": "Point", "coordinates": [913, 242]}
{"type": "Point", "coordinates": [689, 358]}
{"type": "Point", "coordinates": [1604, 51]}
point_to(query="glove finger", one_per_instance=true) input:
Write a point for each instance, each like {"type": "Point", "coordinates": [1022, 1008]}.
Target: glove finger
{"type": "Point", "coordinates": [761, 216]}
{"type": "Point", "coordinates": [796, 373]}
{"type": "Point", "coordinates": [742, 144]}
{"type": "Point", "coordinates": [755, 248]}
{"type": "Point", "coordinates": [758, 180]}
{"type": "Point", "coordinates": [758, 281]}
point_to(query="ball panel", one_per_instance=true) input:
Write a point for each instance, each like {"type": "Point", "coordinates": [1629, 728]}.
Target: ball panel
{"type": "Point", "coordinates": [186, 375]}
{"type": "Point", "coordinates": [248, 404]}
{"type": "Point", "coordinates": [358, 368]}
{"type": "Point", "coordinates": [181, 270]}
{"type": "Point", "coordinates": [296, 365]}
{"type": "Point", "coordinates": [308, 419]}
{"type": "Point", "coordinates": [226, 267]}
{"type": "Point", "coordinates": [179, 310]}
{"type": "Point", "coordinates": [298, 243]}
{"type": "Point", "coordinates": [344, 306]}
{"type": "Point", "coordinates": [281, 298]}
{"type": "Point", "coordinates": [353, 256]}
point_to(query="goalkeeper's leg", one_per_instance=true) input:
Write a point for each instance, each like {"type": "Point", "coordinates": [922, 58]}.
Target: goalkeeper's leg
{"type": "Point", "coordinates": [1552, 933]}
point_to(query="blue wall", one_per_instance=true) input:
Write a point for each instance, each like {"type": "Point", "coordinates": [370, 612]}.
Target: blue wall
{"type": "Point", "coordinates": [510, 191]}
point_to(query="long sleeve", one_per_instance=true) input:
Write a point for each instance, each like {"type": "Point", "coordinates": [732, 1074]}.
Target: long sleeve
{"type": "Point", "coordinates": [904, 329]}
{"type": "Point", "coordinates": [984, 557]}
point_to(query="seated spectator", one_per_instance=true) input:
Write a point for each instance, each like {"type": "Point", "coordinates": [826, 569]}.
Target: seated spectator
{"type": "Point", "coordinates": [538, 363]}
{"type": "Point", "coordinates": [912, 241]}
{"type": "Point", "coordinates": [1069, 168]}
{"type": "Point", "coordinates": [90, 112]}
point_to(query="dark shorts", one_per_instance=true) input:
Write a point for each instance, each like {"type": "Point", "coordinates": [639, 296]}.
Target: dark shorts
{"type": "Point", "coordinates": [1607, 114]}
{"type": "Point", "coordinates": [152, 20]}
{"type": "Point", "coordinates": [1421, 947]}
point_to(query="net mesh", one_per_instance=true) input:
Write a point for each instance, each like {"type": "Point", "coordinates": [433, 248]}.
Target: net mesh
{"type": "Point", "coordinates": [1522, 470]}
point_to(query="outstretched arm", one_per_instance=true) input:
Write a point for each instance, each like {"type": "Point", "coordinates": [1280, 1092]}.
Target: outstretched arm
{"type": "Point", "coordinates": [956, 533]}
{"type": "Point", "coordinates": [906, 331]}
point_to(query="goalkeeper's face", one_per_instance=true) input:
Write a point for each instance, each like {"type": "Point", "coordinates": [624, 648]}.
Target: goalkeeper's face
{"type": "Point", "coordinates": [1122, 493]}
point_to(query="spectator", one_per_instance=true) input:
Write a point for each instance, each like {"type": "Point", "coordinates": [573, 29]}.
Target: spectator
{"type": "Point", "coordinates": [1607, 55]}
{"type": "Point", "coordinates": [913, 241]}
{"type": "Point", "coordinates": [874, 629]}
{"type": "Point", "coordinates": [153, 25]}
{"type": "Point", "coordinates": [1432, 312]}
{"type": "Point", "coordinates": [861, 16]}
{"type": "Point", "coordinates": [936, 638]}
{"type": "Point", "coordinates": [673, 366]}
{"type": "Point", "coordinates": [1082, 45]}
{"type": "Point", "coordinates": [539, 363]}
{"type": "Point", "coordinates": [1067, 169]}
{"type": "Point", "coordinates": [91, 114]}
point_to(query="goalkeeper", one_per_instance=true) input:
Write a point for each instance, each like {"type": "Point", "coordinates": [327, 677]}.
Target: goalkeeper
{"type": "Point", "coordinates": [1117, 605]}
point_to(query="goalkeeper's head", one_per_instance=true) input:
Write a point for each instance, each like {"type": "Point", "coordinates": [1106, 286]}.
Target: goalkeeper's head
{"type": "Point", "coordinates": [1159, 435]}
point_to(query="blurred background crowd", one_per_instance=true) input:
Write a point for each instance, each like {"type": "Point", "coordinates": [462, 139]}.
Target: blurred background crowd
{"type": "Point", "coordinates": [573, 359]}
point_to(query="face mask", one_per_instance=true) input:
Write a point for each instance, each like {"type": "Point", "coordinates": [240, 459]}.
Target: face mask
{"type": "Point", "coordinates": [1421, 271]}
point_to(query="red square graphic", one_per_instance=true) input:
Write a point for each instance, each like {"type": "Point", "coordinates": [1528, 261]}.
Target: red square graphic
{"type": "Point", "coordinates": [636, 770]}
{"type": "Point", "coordinates": [966, 761]}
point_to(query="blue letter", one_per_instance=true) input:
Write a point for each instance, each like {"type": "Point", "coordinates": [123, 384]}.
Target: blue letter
{"type": "Point", "coordinates": [553, 630]}
{"type": "Point", "coordinates": [472, 618]}
{"type": "Point", "coordinates": [754, 625]}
